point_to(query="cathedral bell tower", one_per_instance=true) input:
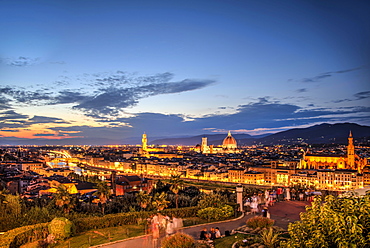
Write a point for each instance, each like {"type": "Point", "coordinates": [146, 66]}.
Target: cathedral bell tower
{"type": "Point", "coordinates": [144, 143]}
{"type": "Point", "coordinates": [204, 147]}
{"type": "Point", "coordinates": [351, 152]}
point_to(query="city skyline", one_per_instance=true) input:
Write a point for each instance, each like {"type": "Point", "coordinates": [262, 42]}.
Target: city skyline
{"type": "Point", "coordinates": [115, 69]}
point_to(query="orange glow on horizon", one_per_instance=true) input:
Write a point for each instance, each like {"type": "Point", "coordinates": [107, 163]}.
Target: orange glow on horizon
{"type": "Point", "coordinates": [38, 133]}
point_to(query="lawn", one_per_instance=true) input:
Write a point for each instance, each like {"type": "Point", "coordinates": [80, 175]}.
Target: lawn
{"type": "Point", "coordinates": [227, 242]}
{"type": "Point", "coordinates": [98, 236]}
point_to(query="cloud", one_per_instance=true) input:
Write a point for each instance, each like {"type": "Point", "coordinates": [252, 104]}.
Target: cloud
{"type": "Point", "coordinates": [261, 114]}
{"type": "Point", "coordinates": [11, 119]}
{"type": "Point", "coordinates": [44, 134]}
{"type": "Point", "coordinates": [44, 119]}
{"type": "Point", "coordinates": [324, 75]}
{"type": "Point", "coordinates": [20, 61]}
{"type": "Point", "coordinates": [316, 78]}
{"type": "Point", "coordinates": [57, 62]}
{"type": "Point", "coordinates": [362, 95]}
{"type": "Point", "coordinates": [4, 103]}
{"type": "Point", "coordinates": [21, 95]}
{"type": "Point", "coordinates": [358, 96]}
{"type": "Point", "coordinates": [107, 94]}
{"type": "Point", "coordinates": [11, 115]}
{"type": "Point", "coordinates": [301, 90]}
{"type": "Point", "coordinates": [119, 92]}
{"type": "Point", "coordinates": [69, 96]}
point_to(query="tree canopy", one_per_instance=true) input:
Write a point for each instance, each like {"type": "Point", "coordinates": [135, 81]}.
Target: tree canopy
{"type": "Point", "coordinates": [333, 222]}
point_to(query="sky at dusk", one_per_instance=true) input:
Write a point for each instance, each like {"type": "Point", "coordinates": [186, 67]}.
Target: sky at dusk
{"type": "Point", "coordinates": [110, 70]}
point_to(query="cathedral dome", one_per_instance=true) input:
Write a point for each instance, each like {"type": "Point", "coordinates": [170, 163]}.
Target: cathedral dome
{"type": "Point", "coordinates": [229, 142]}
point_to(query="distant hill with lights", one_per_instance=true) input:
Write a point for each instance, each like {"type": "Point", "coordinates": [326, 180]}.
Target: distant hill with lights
{"type": "Point", "coordinates": [318, 134]}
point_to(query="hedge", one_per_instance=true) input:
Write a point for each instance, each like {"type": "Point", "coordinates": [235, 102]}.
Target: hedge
{"type": "Point", "coordinates": [22, 235]}
{"type": "Point", "coordinates": [111, 220]}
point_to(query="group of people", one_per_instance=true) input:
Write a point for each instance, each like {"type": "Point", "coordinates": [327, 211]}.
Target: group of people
{"type": "Point", "coordinates": [164, 224]}
{"type": "Point", "coordinates": [256, 202]}
{"type": "Point", "coordinates": [213, 234]}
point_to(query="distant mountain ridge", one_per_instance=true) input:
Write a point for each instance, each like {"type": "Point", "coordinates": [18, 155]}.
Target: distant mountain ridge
{"type": "Point", "coordinates": [319, 134]}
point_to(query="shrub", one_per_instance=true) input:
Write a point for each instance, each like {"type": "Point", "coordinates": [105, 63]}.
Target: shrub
{"type": "Point", "coordinates": [181, 212]}
{"type": "Point", "coordinates": [111, 220]}
{"type": "Point", "coordinates": [178, 240]}
{"type": "Point", "coordinates": [261, 222]}
{"type": "Point", "coordinates": [211, 213]}
{"type": "Point", "coordinates": [21, 235]}
{"type": "Point", "coordinates": [61, 228]}
{"type": "Point", "coordinates": [333, 222]}
{"type": "Point", "coordinates": [214, 200]}
{"type": "Point", "coordinates": [269, 238]}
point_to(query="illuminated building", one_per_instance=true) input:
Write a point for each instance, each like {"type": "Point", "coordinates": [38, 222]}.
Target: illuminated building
{"type": "Point", "coordinates": [332, 161]}
{"type": "Point", "coordinates": [126, 184]}
{"type": "Point", "coordinates": [229, 142]}
{"type": "Point", "coordinates": [339, 179]}
{"type": "Point", "coordinates": [254, 177]}
{"type": "Point", "coordinates": [366, 175]}
{"type": "Point", "coordinates": [148, 152]}
{"type": "Point", "coordinates": [229, 145]}
{"type": "Point", "coordinates": [236, 175]}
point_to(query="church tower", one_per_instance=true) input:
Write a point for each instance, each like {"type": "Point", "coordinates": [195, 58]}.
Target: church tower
{"type": "Point", "coordinates": [204, 147]}
{"type": "Point", "coordinates": [144, 143]}
{"type": "Point", "coordinates": [350, 152]}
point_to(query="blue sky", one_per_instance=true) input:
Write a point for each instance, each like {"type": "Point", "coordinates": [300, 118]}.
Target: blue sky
{"type": "Point", "coordinates": [115, 69]}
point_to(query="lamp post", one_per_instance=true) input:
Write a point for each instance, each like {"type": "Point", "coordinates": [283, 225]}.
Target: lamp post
{"type": "Point", "coordinates": [239, 196]}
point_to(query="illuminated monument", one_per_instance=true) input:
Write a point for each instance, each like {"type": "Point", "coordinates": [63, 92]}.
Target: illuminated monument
{"type": "Point", "coordinates": [229, 145]}
{"type": "Point", "coordinates": [229, 142]}
{"type": "Point", "coordinates": [333, 161]}
{"type": "Point", "coordinates": [151, 151]}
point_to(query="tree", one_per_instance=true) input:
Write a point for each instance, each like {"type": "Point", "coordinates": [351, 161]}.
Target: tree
{"type": "Point", "coordinates": [3, 194]}
{"type": "Point", "coordinates": [176, 184]}
{"type": "Point", "coordinates": [143, 199]}
{"type": "Point", "coordinates": [334, 222]}
{"type": "Point", "coordinates": [212, 200]}
{"type": "Point", "coordinates": [10, 212]}
{"type": "Point", "coordinates": [103, 193]}
{"type": "Point", "coordinates": [159, 201]}
{"type": "Point", "coordinates": [63, 199]}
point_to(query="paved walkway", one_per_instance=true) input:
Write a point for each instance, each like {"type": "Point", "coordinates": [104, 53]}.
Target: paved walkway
{"type": "Point", "coordinates": [282, 212]}
{"type": "Point", "coordinates": [287, 211]}
{"type": "Point", "coordinates": [146, 241]}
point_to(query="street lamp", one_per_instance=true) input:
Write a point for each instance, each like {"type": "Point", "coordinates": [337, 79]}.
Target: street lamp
{"type": "Point", "coordinates": [239, 196]}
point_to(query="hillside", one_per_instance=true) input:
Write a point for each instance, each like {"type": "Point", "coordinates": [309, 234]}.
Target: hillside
{"type": "Point", "coordinates": [318, 134]}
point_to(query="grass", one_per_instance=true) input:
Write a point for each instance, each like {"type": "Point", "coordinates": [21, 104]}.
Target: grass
{"type": "Point", "coordinates": [227, 242]}
{"type": "Point", "coordinates": [97, 236]}
{"type": "Point", "coordinates": [101, 236]}
{"type": "Point", "coordinates": [110, 234]}
{"type": "Point", "coordinates": [106, 235]}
